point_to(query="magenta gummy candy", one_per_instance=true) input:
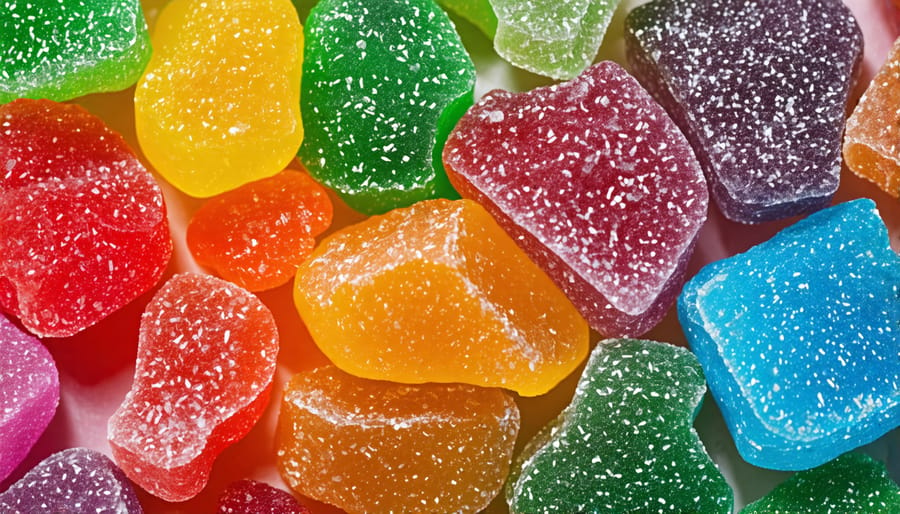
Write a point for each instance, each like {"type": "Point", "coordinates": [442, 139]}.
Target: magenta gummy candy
{"type": "Point", "coordinates": [252, 497]}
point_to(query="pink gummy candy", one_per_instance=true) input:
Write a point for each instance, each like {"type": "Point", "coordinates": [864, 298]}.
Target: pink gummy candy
{"type": "Point", "coordinates": [83, 227]}
{"type": "Point", "coordinates": [206, 359]}
{"type": "Point", "coordinates": [251, 497]}
{"type": "Point", "coordinates": [596, 183]}
{"type": "Point", "coordinates": [29, 394]}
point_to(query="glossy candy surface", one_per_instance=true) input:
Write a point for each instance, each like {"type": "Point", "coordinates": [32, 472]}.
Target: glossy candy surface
{"type": "Point", "coordinates": [251, 497]}
{"type": "Point", "coordinates": [477, 12]}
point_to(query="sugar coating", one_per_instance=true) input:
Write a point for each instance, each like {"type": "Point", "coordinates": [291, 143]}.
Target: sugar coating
{"type": "Point", "coordinates": [62, 49]}
{"type": "Point", "coordinates": [219, 103]}
{"type": "Point", "coordinates": [83, 223]}
{"type": "Point", "coordinates": [759, 87]}
{"type": "Point", "coordinates": [477, 12]}
{"type": "Point", "coordinates": [251, 497]}
{"type": "Point", "coordinates": [371, 446]}
{"type": "Point", "coordinates": [437, 292]}
{"type": "Point", "coordinates": [626, 442]}
{"type": "Point", "coordinates": [555, 38]}
{"type": "Point", "coordinates": [596, 183]}
{"type": "Point", "coordinates": [74, 480]}
{"type": "Point", "coordinates": [852, 482]}
{"type": "Point", "coordinates": [798, 338]}
{"type": "Point", "coordinates": [206, 358]}
{"type": "Point", "coordinates": [30, 394]}
{"type": "Point", "coordinates": [382, 88]}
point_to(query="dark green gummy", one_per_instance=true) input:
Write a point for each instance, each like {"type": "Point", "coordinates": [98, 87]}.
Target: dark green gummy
{"type": "Point", "coordinates": [383, 84]}
{"type": "Point", "coordinates": [626, 443]}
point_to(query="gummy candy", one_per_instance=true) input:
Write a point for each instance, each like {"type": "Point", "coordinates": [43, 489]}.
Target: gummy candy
{"type": "Point", "coordinates": [371, 446]}
{"type": "Point", "coordinates": [571, 172]}
{"type": "Point", "coordinates": [851, 483]}
{"type": "Point", "coordinates": [549, 37]}
{"type": "Point", "coordinates": [258, 234]}
{"type": "Point", "coordinates": [477, 12]}
{"type": "Point", "coordinates": [871, 148]}
{"type": "Point", "coordinates": [61, 50]}
{"type": "Point", "coordinates": [382, 88]}
{"type": "Point", "coordinates": [760, 88]}
{"type": "Point", "coordinates": [626, 442]}
{"type": "Point", "coordinates": [251, 497]}
{"type": "Point", "coordinates": [206, 358]}
{"type": "Point", "coordinates": [30, 393]}
{"type": "Point", "coordinates": [83, 227]}
{"type": "Point", "coordinates": [437, 292]}
{"type": "Point", "coordinates": [219, 103]}
{"type": "Point", "coordinates": [798, 338]}
{"type": "Point", "coordinates": [73, 480]}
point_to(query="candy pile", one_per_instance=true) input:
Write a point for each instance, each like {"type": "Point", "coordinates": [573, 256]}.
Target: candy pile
{"type": "Point", "coordinates": [457, 261]}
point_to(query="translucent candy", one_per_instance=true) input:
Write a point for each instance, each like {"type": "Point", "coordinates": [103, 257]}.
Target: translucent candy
{"type": "Point", "coordinates": [760, 88]}
{"type": "Point", "coordinates": [61, 50]}
{"type": "Point", "coordinates": [29, 394]}
{"type": "Point", "coordinates": [477, 12]}
{"type": "Point", "coordinates": [382, 88]}
{"type": "Point", "coordinates": [206, 358]}
{"type": "Point", "coordinates": [219, 103]}
{"type": "Point", "coordinates": [595, 183]}
{"type": "Point", "coordinates": [437, 292]}
{"type": "Point", "coordinates": [258, 234]}
{"type": "Point", "coordinates": [250, 497]}
{"type": "Point", "coordinates": [798, 338]}
{"type": "Point", "coordinates": [83, 227]}
{"type": "Point", "coordinates": [371, 446]}
{"type": "Point", "coordinates": [549, 37]}
{"type": "Point", "coordinates": [75, 480]}
{"type": "Point", "coordinates": [626, 443]}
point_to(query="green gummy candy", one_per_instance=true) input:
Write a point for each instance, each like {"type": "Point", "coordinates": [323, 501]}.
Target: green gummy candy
{"type": "Point", "coordinates": [383, 84]}
{"type": "Point", "coordinates": [61, 50]}
{"type": "Point", "coordinates": [477, 12]}
{"type": "Point", "coordinates": [626, 443]}
{"type": "Point", "coordinates": [852, 482]}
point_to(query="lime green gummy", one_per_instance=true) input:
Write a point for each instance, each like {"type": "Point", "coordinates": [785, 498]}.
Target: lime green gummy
{"type": "Point", "coordinates": [62, 49]}
{"type": "Point", "coordinates": [477, 12]}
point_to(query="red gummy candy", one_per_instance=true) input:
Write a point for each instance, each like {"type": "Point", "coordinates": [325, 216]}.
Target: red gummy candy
{"type": "Point", "coordinates": [206, 359]}
{"type": "Point", "coordinates": [251, 497]}
{"type": "Point", "coordinates": [83, 227]}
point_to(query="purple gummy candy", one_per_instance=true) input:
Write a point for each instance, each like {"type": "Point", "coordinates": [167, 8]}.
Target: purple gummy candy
{"type": "Point", "coordinates": [760, 88]}
{"type": "Point", "coordinates": [72, 481]}
{"type": "Point", "coordinates": [29, 394]}
{"type": "Point", "coordinates": [252, 497]}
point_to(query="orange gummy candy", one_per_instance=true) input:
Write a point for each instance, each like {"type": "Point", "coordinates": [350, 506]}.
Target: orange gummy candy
{"type": "Point", "coordinates": [373, 446]}
{"type": "Point", "coordinates": [872, 135]}
{"type": "Point", "coordinates": [438, 292]}
{"type": "Point", "coordinates": [258, 234]}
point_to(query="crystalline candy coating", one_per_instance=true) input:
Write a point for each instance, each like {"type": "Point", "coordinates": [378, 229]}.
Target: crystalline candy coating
{"type": "Point", "coordinates": [437, 292]}
{"type": "Point", "coordinates": [595, 183]}
{"type": "Point", "coordinates": [83, 227]}
{"type": "Point", "coordinates": [61, 50]}
{"type": "Point", "coordinates": [626, 443]}
{"type": "Point", "coordinates": [206, 358]}
{"type": "Point", "coordinates": [29, 394]}
{"type": "Point", "coordinates": [250, 497]}
{"type": "Point", "coordinates": [219, 103]}
{"type": "Point", "coordinates": [258, 234]}
{"type": "Point", "coordinates": [382, 88]}
{"type": "Point", "coordinates": [798, 338]}
{"type": "Point", "coordinates": [372, 446]}
{"type": "Point", "coordinates": [74, 480]}
{"type": "Point", "coordinates": [759, 87]}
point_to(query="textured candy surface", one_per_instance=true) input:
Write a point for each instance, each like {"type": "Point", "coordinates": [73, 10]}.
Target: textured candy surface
{"type": "Point", "coordinates": [382, 88]}
{"type": "Point", "coordinates": [258, 234]}
{"type": "Point", "coordinates": [549, 37]}
{"type": "Point", "coordinates": [251, 497]}
{"type": "Point", "coordinates": [872, 136]}
{"type": "Point", "coordinates": [437, 292]}
{"type": "Point", "coordinates": [74, 480]}
{"type": "Point", "coordinates": [372, 446]}
{"type": "Point", "coordinates": [29, 394]}
{"type": "Point", "coordinates": [61, 50]}
{"type": "Point", "coordinates": [760, 88]}
{"type": "Point", "coordinates": [83, 227]}
{"type": "Point", "coordinates": [798, 338]}
{"type": "Point", "coordinates": [851, 483]}
{"type": "Point", "coordinates": [219, 103]}
{"type": "Point", "coordinates": [477, 12]}
{"type": "Point", "coordinates": [626, 443]}
{"type": "Point", "coordinates": [206, 358]}
{"type": "Point", "coordinates": [595, 183]}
